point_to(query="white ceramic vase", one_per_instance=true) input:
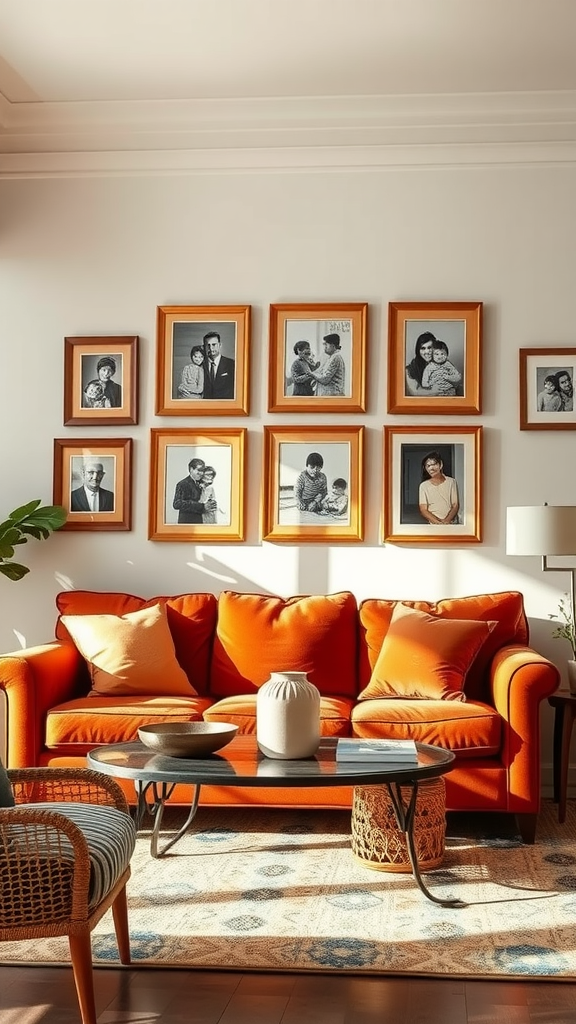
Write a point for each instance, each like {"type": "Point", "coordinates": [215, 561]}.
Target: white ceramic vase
{"type": "Point", "coordinates": [288, 716]}
{"type": "Point", "coordinates": [572, 676]}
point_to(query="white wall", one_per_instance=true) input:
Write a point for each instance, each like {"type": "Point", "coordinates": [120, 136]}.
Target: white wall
{"type": "Point", "coordinates": [96, 255]}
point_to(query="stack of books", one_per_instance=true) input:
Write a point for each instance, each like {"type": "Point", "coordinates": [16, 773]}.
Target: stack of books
{"type": "Point", "coordinates": [394, 751]}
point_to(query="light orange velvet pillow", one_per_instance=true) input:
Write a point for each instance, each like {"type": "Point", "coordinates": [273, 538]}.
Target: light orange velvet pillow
{"type": "Point", "coordinates": [425, 657]}
{"type": "Point", "coordinates": [129, 654]}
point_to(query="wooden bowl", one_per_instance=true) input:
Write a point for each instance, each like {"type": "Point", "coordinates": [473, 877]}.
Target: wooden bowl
{"type": "Point", "coordinates": [187, 739]}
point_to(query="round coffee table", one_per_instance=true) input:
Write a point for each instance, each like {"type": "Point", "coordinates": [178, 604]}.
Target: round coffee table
{"type": "Point", "coordinates": [242, 764]}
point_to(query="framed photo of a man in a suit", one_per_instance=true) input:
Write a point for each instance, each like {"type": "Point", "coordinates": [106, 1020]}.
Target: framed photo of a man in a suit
{"type": "Point", "coordinates": [202, 360]}
{"type": "Point", "coordinates": [92, 480]}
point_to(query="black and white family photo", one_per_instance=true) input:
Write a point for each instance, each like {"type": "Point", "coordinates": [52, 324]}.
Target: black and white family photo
{"type": "Point", "coordinates": [314, 484]}
{"type": "Point", "coordinates": [435, 352]}
{"type": "Point", "coordinates": [198, 485]}
{"type": "Point", "coordinates": [317, 358]}
{"type": "Point", "coordinates": [203, 360]}
{"type": "Point", "coordinates": [101, 380]}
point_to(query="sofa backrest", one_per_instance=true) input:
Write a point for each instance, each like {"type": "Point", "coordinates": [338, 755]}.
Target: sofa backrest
{"type": "Point", "coordinates": [257, 634]}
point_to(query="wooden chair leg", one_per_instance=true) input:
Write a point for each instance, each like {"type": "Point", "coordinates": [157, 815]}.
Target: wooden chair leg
{"type": "Point", "coordinates": [81, 954]}
{"type": "Point", "coordinates": [120, 915]}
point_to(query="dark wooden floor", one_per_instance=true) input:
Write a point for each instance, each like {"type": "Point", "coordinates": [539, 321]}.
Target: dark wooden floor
{"type": "Point", "coordinates": [45, 995]}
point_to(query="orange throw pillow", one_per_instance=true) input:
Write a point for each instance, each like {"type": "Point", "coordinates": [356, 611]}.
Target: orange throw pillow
{"type": "Point", "coordinates": [129, 654]}
{"type": "Point", "coordinates": [425, 657]}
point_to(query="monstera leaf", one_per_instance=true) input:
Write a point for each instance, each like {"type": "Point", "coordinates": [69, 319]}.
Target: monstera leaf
{"type": "Point", "coordinates": [30, 520]}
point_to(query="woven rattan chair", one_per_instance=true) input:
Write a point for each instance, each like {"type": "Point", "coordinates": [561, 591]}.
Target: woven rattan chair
{"type": "Point", "coordinates": [65, 851]}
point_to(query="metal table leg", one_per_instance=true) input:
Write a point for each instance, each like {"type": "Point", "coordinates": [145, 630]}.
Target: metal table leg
{"type": "Point", "coordinates": [161, 793]}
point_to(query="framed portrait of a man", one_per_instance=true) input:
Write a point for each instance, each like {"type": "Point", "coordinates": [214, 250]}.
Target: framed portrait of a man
{"type": "Point", "coordinates": [432, 485]}
{"type": "Point", "coordinates": [547, 388]}
{"type": "Point", "coordinates": [202, 360]}
{"type": "Point", "coordinates": [313, 484]}
{"type": "Point", "coordinates": [317, 357]}
{"type": "Point", "coordinates": [434, 357]}
{"type": "Point", "coordinates": [197, 485]}
{"type": "Point", "coordinates": [93, 481]}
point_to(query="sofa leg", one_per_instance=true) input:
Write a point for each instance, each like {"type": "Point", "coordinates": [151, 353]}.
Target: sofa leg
{"type": "Point", "coordinates": [527, 827]}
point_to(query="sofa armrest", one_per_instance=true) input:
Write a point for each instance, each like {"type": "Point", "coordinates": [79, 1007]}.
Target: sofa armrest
{"type": "Point", "coordinates": [520, 679]}
{"type": "Point", "coordinates": [33, 680]}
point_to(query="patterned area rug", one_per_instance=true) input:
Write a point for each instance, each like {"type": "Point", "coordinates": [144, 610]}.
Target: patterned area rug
{"type": "Point", "coordinates": [281, 891]}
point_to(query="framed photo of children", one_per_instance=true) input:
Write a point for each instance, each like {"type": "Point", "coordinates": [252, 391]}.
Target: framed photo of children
{"type": "Point", "coordinates": [547, 388]}
{"type": "Point", "coordinates": [202, 360]}
{"type": "Point", "coordinates": [93, 481]}
{"type": "Point", "coordinates": [432, 485]}
{"type": "Point", "coordinates": [313, 484]}
{"type": "Point", "coordinates": [100, 381]}
{"type": "Point", "coordinates": [434, 357]}
{"type": "Point", "coordinates": [317, 357]}
{"type": "Point", "coordinates": [197, 485]}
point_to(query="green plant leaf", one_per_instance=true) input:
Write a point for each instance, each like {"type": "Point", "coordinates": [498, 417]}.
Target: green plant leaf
{"type": "Point", "coordinates": [13, 570]}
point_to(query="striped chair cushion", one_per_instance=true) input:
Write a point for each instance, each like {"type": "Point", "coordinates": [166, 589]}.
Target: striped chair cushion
{"type": "Point", "coordinates": [111, 838]}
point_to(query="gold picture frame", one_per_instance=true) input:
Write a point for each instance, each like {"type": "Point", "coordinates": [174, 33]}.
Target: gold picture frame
{"type": "Point", "coordinates": [84, 465]}
{"type": "Point", "coordinates": [221, 331]}
{"type": "Point", "coordinates": [418, 384]}
{"type": "Point", "coordinates": [340, 368]}
{"type": "Point", "coordinates": [173, 488]}
{"type": "Point", "coordinates": [290, 512]}
{"type": "Point", "coordinates": [546, 406]}
{"type": "Point", "coordinates": [459, 452]}
{"type": "Point", "coordinates": [101, 381]}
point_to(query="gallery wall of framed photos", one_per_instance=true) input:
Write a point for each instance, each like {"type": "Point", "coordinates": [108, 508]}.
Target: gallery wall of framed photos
{"type": "Point", "coordinates": [313, 475]}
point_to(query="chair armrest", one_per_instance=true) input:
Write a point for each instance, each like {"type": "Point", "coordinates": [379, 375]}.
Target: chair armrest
{"type": "Point", "coordinates": [71, 785]}
{"type": "Point", "coordinates": [34, 680]}
{"type": "Point", "coordinates": [44, 870]}
{"type": "Point", "coordinates": [520, 679]}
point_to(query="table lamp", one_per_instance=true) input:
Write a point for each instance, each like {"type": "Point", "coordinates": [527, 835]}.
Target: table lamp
{"type": "Point", "coordinates": [544, 530]}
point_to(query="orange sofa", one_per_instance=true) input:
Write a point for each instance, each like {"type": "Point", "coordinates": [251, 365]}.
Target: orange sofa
{"type": "Point", "coordinates": [458, 673]}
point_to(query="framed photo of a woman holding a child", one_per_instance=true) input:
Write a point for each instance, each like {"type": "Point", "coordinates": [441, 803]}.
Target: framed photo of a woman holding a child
{"type": "Point", "coordinates": [317, 357]}
{"type": "Point", "coordinates": [547, 377]}
{"type": "Point", "coordinates": [100, 381]}
{"type": "Point", "coordinates": [432, 485]}
{"type": "Point", "coordinates": [434, 357]}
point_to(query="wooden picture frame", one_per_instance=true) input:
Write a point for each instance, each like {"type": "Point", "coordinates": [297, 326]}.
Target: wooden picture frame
{"type": "Point", "coordinates": [82, 465]}
{"type": "Point", "coordinates": [286, 454]}
{"type": "Point", "coordinates": [101, 381]}
{"type": "Point", "coordinates": [547, 378]}
{"type": "Point", "coordinates": [340, 367]}
{"type": "Point", "coordinates": [183, 379]}
{"type": "Point", "coordinates": [417, 383]}
{"type": "Point", "coordinates": [173, 486]}
{"type": "Point", "coordinates": [460, 451]}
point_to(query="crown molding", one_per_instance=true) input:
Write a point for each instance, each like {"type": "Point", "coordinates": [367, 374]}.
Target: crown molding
{"type": "Point", "coordinates": [271, 133]}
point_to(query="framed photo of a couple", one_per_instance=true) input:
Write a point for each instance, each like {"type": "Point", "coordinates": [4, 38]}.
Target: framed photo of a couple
{"type": "Point", "coordinates": [313, 484]}
{"type": "Point", "coordinates": [100, 381]}
{"type": "Point", "coordinates": [93, 481]}
{"type": "Point", "coordinates": [317, 357]}
{"type": "Point", "coordinates": [434, 357]}
{"type": "Point", "coordinates": [547, 388]}
{"type": "Point", "coordinates": [432, 485]}
{"type": "Point", "coordinates": [202, 360]}
{"type": "Point", "coordinates": [197, 485]}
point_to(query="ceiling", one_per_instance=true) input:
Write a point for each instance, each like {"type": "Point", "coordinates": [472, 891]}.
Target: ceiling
{"type": "Point", "coordinates": [159, 67]}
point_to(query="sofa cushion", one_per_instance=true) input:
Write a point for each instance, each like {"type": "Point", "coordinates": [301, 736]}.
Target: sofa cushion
{"type": "Point", "coordinates": [470, 729]}
{"type": "Point", "coordinates": [425, 656]}
{"type": "Point", "coordinates": [240, 710]}
{"type": "Point", "coordinates": [191, 618]}
{"type": "Point", "coordinates": [89, 721]}
{"type": "Point", "coordinates": [129, 654]}
{"type": "Point", "coordinates": [258, 634]}
{"type": "Point", "coordinates": [505, 608]}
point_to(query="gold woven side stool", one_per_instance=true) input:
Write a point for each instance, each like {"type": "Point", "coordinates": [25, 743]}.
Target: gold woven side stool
{"type": "Point", "coordinates": [377, 840]}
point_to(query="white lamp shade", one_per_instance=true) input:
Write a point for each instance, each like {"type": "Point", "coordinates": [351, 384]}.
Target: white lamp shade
{"type": "Point", "coordinates": [541, 530]}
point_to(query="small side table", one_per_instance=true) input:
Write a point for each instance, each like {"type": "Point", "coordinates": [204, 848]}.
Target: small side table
{"type": "Point", "coordinates": [564, 704]}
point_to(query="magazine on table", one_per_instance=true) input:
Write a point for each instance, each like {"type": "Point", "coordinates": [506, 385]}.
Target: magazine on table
{"type": "Point", "coordinates": [377, 750]}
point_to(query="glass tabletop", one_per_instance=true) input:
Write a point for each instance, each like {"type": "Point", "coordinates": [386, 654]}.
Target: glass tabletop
{"type": "Point", "coordinates": [241, 763]}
